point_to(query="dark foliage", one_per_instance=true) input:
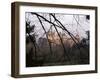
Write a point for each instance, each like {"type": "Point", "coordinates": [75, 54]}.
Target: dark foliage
{"type": "Point", "coordinates": [45, 58]}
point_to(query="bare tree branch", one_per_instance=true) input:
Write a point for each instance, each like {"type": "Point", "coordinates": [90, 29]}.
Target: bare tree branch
{"type": "Point", "coordinates": [77, 22]}
{"type": "Point", "coordinates": [45, 33]}
{"type": "Point", "coordinates": [66, 30]}
{"type": "Point", "coordinates": [62, 27]}
{"type": "Point", "coordinates": [61, 42]}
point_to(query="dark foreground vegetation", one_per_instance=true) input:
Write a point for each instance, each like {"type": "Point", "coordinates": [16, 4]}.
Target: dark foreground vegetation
{"type": "Point", "coordinates": [41, 56]}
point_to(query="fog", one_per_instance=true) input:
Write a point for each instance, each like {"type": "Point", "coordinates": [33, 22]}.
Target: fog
{"type": "Point", "coordinates": [74, 23]}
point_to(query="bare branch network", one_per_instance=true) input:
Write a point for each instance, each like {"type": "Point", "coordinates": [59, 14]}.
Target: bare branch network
{"type": "Point", "coordinates": [56, 39]}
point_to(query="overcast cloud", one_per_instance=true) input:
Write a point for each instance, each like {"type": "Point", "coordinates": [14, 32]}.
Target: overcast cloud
{"type": "Point", "coordinates": [76, 24]}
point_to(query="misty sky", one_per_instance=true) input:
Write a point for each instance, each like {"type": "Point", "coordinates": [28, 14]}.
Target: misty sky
{"type": "Point", "coordinates": [76, 24]}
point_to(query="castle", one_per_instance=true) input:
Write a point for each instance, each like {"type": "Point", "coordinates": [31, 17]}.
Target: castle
{"type": "Point", "coordinates": [54, 38]}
